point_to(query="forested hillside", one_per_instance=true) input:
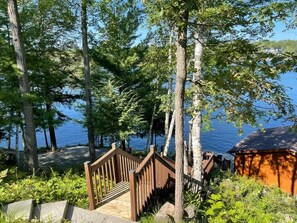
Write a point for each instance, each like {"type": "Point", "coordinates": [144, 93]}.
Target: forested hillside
{"type": "Point", "coordinates": [285, 45]}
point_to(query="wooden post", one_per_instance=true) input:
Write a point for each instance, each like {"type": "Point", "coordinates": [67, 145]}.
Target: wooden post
{"type": "Point", "coordinates": [153, 148]}
{"type": "Point", "coordinates": [113, 145]}
{"type": "Point", "coordinates": [90, 188]}
{"type": "Point", "coordinates": [133, 195]}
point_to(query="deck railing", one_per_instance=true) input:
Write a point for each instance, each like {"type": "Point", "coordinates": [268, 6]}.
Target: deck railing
{"type": "Point", "coordinates": [153, 173]}
{"type": "Point", "coordinates": [101, 176]}
{"type": "Point", "coordinates": [145, 176]}
{"type": "Point", "coordinates": [207, 162]}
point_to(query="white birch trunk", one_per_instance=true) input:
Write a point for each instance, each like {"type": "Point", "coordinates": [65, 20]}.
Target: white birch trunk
{"type": "Point", "coordinates": [166, 147]}
{"type": "Point", "coordinates": [149, 137]}
{"type": "Point", "coordinates": [169, 91]}
{"type": "Point", "coordinates": [197, 118]}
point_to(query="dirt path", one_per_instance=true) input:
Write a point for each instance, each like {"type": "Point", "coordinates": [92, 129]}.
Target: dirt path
{"type": "Point", "coordinates": [67, 157]}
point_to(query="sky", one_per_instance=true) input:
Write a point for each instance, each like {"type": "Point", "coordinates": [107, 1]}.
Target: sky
{"type": "Point", "coordinates": [280, 34]}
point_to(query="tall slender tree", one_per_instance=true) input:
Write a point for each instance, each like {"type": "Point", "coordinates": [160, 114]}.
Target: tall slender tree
{"type": "Point", "coordinates": [30, 135]}
{"type": "Point", "coordinates": [87, 74]}
{"type": "Point", "coordinates": [181, 53]}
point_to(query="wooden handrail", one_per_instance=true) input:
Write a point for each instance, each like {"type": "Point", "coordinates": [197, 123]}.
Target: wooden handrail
{"type": "Point", "coordinates": [104, 173]}
{"type": "Point", "coordinates": [208, 163]}
{"type": "Point", "coordinates": [153, 173]}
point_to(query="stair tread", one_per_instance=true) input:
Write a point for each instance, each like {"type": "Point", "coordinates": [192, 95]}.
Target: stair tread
{"type": "Point", "coordinates": [19, 210]}
{"type": "Point", "coordinates": [79, 215]}
{"type": "Point", "coordinates": [51, 212]}
{"type": "Point", "coordinates": [118, 190]}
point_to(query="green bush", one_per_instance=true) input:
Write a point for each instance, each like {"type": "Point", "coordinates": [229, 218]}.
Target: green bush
{"type": "Point", "coordinates": [239, 199]}
{"type": "Point", "coordinates": [69, 186]}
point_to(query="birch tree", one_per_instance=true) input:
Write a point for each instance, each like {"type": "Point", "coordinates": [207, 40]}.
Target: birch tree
{"type": "Point", "coordinates": [233, 67]}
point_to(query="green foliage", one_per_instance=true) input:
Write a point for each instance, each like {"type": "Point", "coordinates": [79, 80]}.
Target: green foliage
{"type": "Point", "coordinates": [117, 114]}
{"type": "Point", "coordinates": [56, 187]}
{"type": "Point", "coordinates": [239, 199]}
{"type": "Point", "coordinates": [3, 174]}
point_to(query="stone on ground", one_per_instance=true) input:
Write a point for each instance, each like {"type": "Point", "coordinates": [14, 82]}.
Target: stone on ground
{"type": "Point", "coordinates": [51, 212]}
{"type": "Point", "coordinates": [190, 211]}
{"type": "Point", "coordinates": [165, 214]}
{"type": "Point", "coordinates": [19, 210]}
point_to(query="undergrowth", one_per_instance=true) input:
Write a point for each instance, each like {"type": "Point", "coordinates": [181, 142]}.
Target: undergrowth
{"type": "Point", "coordinates": [48, 187]}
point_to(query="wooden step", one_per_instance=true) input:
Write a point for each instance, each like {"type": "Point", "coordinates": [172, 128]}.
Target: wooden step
{"type": "Point", "coordinates": [118, 190]}
{"type": "Point", "coordinates": [21, 210]}
{"type": "Point", "coordinates": [79, 215]}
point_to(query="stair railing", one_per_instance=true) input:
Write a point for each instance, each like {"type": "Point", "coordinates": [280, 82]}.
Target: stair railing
{"type": "Point", "coordinates": [110, 169]}
{"type": "Point", "coordinates": [153, 173]}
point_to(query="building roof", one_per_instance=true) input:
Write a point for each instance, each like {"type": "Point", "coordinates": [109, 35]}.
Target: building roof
{"type": "Point", "coordinates": [268, 139]}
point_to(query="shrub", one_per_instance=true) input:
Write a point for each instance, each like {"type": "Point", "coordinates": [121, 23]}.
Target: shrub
{"type": "Point", "coordinates": [69, 186]}
{"type": "Point", "coordinates": [239, 199]}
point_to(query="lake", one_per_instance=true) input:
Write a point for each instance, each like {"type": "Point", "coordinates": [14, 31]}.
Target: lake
{"type": "Point", "coordinates": [222, 138]}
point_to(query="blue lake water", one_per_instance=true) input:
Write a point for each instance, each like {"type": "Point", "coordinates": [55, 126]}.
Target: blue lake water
{"type": "Point", "coordinates": [223, 136]}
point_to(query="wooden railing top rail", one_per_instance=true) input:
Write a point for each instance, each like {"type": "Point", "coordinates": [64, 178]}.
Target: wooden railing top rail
{"type": "Point", "coordinates": [104, 158]}
{"type": "Point", "coordinates": [165, 163]}
{"type": "Point", "coordinates": [146, 160]}
{"type": "Point", "coordinates": [128, 155]}
{"type": "Point", "coordinates": [110, 154]}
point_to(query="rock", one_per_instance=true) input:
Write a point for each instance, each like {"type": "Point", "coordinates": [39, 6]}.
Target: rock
{"type": "Point", "coordinates": [190, 211]}
{"type": "Point", "coordinates": [165, 214]}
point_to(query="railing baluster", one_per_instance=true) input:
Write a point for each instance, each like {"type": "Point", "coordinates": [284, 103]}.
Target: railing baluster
{"type": "Point", "coordinates": [113, 170]}
{"type": "Point", "coordinates": [100, 183]}
{"type": "Point", "coordinates": [107, 176]}
{"type": "Point", "coordinates": [121, 167]}
{"type": "Point", "coordinates": [103, 175]}
{"type": "Point", "coordinates": [96, 187]}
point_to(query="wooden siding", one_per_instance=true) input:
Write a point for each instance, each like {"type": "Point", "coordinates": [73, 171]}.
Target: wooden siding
{"type": "Point", "coordinates": [277, 168]}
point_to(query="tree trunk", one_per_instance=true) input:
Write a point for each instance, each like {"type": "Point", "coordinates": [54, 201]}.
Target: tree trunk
{"type": "Point", "coordinates": [29, 131]}
{"type": "Point", "coordinates": [169, 91]}
{"type": "Point", "coordinates": [197, 116]}
{"type": "Point", "coordinates": [87, 74]}
{"type": "Point", "coordinates": [190, 158]}
{"type": "Point", "coordinates": [45, 138]}
{"type": "Point", "coordinates": [17, 144]}
{"type": "Point", "coordinates": [150, 134]}
{"type": "Point", "coordinates": [51, 128]}
{"type": "Point", "coordinates": [166, 147]}
{"type": "Point", "coordinates": [179, 115]}
{"type": "Point", "coordinates": [9, 136]}
{"type": "Point", "coordinates": [186, 163]}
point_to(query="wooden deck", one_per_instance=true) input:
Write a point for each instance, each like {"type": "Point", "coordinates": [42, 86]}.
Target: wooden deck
{"type": "Point", "coordinates": [117, 202]}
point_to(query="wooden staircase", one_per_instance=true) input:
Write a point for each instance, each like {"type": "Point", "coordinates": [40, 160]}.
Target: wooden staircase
{"type": "Point", "coordinates": [122, 185]}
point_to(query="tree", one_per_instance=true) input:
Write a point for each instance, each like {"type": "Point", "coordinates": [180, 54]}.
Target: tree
{"type": "Point", "coordinates": [117, 114]}
{"type": "Point", "coordinates": [226, 84]}
{"type": "Point", "coordinates": [30, 136]}
{"type": "Point", "coordinates": [119, 52]}
{"type": "Point", "coordinates": [179, 108]}
{"type": "Point", "coordinates": [48, 43]}
{"type": "Point", "coordinates": [87, 74]}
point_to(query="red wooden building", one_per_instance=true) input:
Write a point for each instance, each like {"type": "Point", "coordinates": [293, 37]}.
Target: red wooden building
{"type": "Point", "coordinates": [270, 155]}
